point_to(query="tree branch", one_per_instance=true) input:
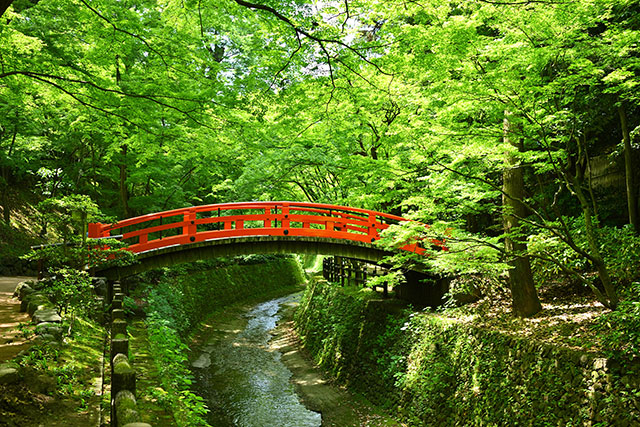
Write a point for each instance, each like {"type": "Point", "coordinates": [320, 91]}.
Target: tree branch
{"type": "Point", "coordinates": [44, 78]}
{"type": "Point", "coordinates": [321, 41]}
{"type": "Point", "coordinates": [116, 28]}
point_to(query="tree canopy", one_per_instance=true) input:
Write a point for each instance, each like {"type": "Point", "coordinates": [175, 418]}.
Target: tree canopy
{"type": "Point", "coordinates": [418, 108]}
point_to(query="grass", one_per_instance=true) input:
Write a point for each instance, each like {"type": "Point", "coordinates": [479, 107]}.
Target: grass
{"type": "Point", "coordinates": [62, 384]}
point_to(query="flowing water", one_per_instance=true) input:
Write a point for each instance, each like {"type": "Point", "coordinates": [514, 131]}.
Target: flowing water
{"type": "Point", "coordinates": [243, 382]}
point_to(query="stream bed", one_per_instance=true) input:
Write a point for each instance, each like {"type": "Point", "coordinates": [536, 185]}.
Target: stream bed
{"type": "Point", "coordinates": [243, 380]}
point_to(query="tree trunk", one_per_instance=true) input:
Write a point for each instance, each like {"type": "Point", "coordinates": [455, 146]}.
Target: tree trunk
{"type": "Point", "coordinates": [525, 300]}
{"type": "Point", "coordinates": [124, 192]}
{"type": "Point", "coordinates": [610, 299]}
{"type": "Point", "coordinates": [4, 5]}
{"type": "Point", "coordinates": [5, 173]}
{"type": "Point", "coordinates": [632, 202]}
{"type": "Point", "coordinates": [6, 209]}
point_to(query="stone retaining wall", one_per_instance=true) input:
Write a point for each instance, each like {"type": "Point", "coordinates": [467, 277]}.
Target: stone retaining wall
{"type": "Point", "coordinates": [430, 370]}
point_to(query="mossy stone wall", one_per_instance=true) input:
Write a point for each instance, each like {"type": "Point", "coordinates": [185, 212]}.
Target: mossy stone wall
{"type": "Point", "coordinates": [430, 370]}
{"type": "Point", "coordinates": [187, 298]}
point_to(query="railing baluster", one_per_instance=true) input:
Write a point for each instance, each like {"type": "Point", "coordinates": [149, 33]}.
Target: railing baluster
{"type": "Point", "coordinates": [267, 222]}
{"type": "Point", "coordinates": [373, 231]}
{"type": "Point", "coordinates": [285, 216]}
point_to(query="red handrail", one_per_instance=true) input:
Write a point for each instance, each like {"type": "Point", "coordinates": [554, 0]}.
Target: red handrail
{"type": "Point", "coordinates": [193, 224]}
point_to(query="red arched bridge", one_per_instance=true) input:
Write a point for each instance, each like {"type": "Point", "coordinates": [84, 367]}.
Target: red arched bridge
{"type": "Point", "coordinates": [227, 229]}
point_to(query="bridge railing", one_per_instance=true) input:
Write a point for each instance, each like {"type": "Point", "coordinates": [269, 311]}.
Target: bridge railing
{"type": "Point", "coordinates": [202, 223]}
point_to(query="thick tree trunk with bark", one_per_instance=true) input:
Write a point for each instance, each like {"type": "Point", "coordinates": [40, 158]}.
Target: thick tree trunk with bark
{"type": "Point", "coordinates": [629, 170]}
{"type": "Point", "coordinates": [525, 300]}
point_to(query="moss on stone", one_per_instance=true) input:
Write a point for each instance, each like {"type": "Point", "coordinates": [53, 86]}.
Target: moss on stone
{"type": "Point", "coordinates": [434, 371]}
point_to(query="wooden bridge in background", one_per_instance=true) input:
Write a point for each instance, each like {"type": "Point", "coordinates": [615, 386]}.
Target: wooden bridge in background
{"type": "Point", "coordinates": [228, 229]}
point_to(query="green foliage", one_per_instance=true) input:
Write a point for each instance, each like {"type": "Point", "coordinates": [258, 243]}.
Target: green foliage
{"type": "Point", "coordinates": [39, 356]}
{"type": "Point", "coordinates": [70, 215]}
{"type": "Point", "coordinates": [171, 356]}
{"type": "Point", "coordinates": [73, 366]}
{"type": "Point", "coordinates": [26, 330]}
{"type": "Point", "coordinates": [620, 247]}
{"type": "Point", "coordinates": [152, 106]}
{"type": "Point", "coordinates": [620, 330]}
{"type": "Point", "coordinates": [129, 305]}
{"type": "Point", "coordinates": [107, 253]}
{"type": "Point", "coordinates": [70, 290]}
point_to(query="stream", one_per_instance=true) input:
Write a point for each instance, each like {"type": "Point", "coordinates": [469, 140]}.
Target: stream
{"type": "Point", "coordinates": [243, 381]}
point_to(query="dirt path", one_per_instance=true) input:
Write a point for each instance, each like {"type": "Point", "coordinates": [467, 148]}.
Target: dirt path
{"type": "Point", "coordinates": [11, 341]}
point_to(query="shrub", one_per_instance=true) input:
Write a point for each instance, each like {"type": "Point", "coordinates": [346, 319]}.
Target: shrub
{"type": "Point", "coordinates": [619, 330]}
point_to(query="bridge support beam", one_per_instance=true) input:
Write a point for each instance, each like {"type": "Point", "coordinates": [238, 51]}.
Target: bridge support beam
{"type": "Point", "coordinates": [230, 247]}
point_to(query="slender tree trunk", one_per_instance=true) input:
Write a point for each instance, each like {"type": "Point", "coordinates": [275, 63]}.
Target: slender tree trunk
{"type": "Point", "coordinates": [6, 176]}
{"type": "Point", "coordinates": [525, 300]}
{"type": "Point", "coordinates": [124, 192]}
{"type": "Point", "coordinates": [611, 299]}
{"type": "Point", "coordinates": [632, 202]}
{"type": "Point", "coordinates": [6, 209]}
{"type": "Point", "coordinates": [5, 189]}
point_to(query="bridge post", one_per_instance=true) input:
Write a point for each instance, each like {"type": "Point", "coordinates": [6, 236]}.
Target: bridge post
{"type": "Point", "coordinates": [110, 284]}
{"type": "Point", "coordinates": [359, 280]}
{"type": "Point", "coordinates": [285, 216]}
{"type": "Point", "coordinates": [364, 275]}
{"type": "Point", "coordinates": [267, 222]}
{"type": "Point", "coordinates": [347, 271]}
{"type": "Point", "coordinates": [333, 268]}
{"type": "Point", "coordinates": [189, 227]}
{"type": "Point", "coordinates": [373, 231]}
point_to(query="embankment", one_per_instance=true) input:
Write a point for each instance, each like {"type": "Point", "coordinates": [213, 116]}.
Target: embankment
{"type": "Point", "coordinates": [433, 370]}
{"type": "Point", "coordinates": [182, 298]}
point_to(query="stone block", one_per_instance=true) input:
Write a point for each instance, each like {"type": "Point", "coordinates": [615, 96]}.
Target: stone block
{"type": "Point", "coordinates": [116, 304]}
{"type": "Point", "coordinates": [46, 315]}
{"type": "Point", "coordinates": [123, 376]}
{"type": "Point", "coordinates": [9, 374]}
{"type": "Point", "coordinates": [118, 326]}
{"type": "Point", "coordinates": [119, 345]}
{"type": "Point", "coordinates": [49, 328]}
{"type": "Point", "coordinates": [126, 408]}
{"type": "Point", "coordinates": [99, 285]}
{"type": "Point", "coordinates": [117, 313]}
{"type": "Point", "coordinates": [35, 302]}
{"type": "Point", "coordinates": [22, 289]}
